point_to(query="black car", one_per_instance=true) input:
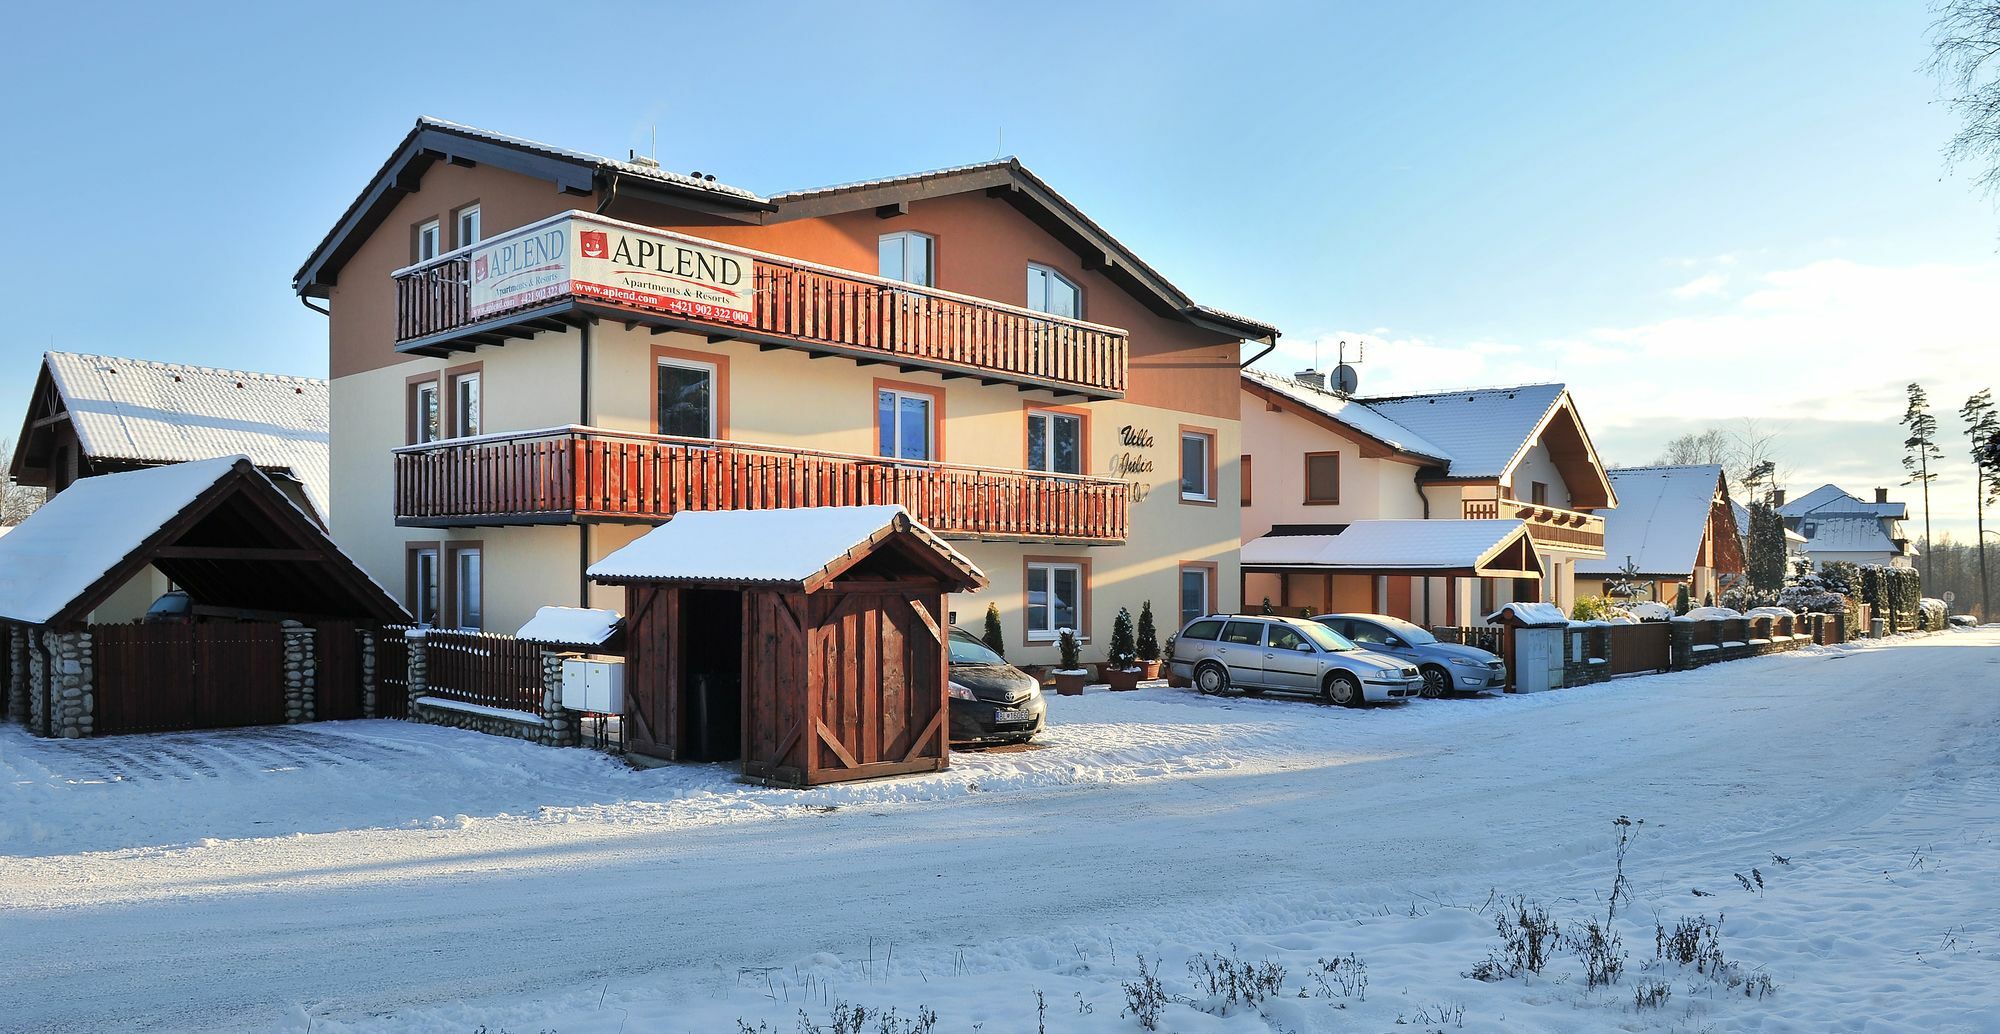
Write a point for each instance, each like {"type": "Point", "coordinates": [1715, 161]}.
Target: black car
{"type": "Point", "coordinates": [991, 701]}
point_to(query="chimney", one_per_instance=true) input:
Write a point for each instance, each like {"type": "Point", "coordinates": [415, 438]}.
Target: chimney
{"type": "Point", "coordinates": [1881, 495]}
{"type": "Point", "coordinates": [1777, 497]}
{"type": "Point", "coordinates": [1311, 378]}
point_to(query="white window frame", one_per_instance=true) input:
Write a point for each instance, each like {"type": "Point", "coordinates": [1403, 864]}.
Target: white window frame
{"type": "Point", "coordinates": [1048, 418]}
{"type": "Point", "coordinates": [468, 215]}
{"type": "Point", "coordinates": [458, 424]}
{"type": "Point", "coordinates": [1038, 295]}
{"type": "Point", "coordinates": [430, 240]}
{"type": "Point", "coordinates": [1044, 572]}
{"type": "Point", "coordinates": [424, 606]}
{"type": "Point", "coordinates": [903, 274]}
{"type": "Point", "coordinates": [930, 402]}
{"type": "Point", "coordinates": [714, 385]}
{"type": "Point", "coordinates": [426, 434]}
{"type": "Point", "coordinates": [1207, 494]}
{"type": "Point", "coordinates": [462, 616]}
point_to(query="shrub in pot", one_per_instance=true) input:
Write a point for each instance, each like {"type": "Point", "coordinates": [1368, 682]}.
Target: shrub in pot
{"type": "Point", "coordinates": [1070, 678]}
{"type": "Point", "coordinates": [1122, 670]}
{"type": "Point", "coordinates": [1149, 643]}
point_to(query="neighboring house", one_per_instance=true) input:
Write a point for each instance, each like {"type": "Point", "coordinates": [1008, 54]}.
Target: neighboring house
{"type": "Point", "coordinates": [1437, 508]}
{"type": "Point", "coordinates": [93, 414]}
{"type": "Point", "coordinates": [964, 342]}
{"type": "Point", "coordinates": [1675, 525]}
{"type": "Point", "coordinates": [1836, 525]}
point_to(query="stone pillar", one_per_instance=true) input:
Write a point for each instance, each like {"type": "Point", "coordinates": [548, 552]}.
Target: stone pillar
{"type": "Point", "coordinates": [38, 685]}
{"type": "Point", "coordinates": [71, 696]}
{"type": "Point", "coordinates": [17, 673]}
{"type": "Point", "coordinates": [366, 640]}
{"type": "Point", "coordinates": [1680, 644]}
{"type": "Point", "coordinates": [301, 672]}
{"type": "Point", "coordinates": [418, 677]}
{"type": "Point", "coordinates": [561, 730]}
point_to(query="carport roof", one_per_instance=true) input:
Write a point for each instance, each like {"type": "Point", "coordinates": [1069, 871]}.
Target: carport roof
{"type": "Point", "coordinates": [803, 548]}
{"type": "Point", "coordinates": [1493, 548]}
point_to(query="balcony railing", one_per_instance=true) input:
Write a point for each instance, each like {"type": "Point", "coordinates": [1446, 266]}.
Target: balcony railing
{"type": "Point", "coordinates": [794, 303]}
{"type": "Point", "coordinates": [1550, 526]}
{"type": "Point", "coordinates": [567, 474]}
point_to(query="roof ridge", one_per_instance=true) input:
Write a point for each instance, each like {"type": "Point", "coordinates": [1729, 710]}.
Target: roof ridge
{"type": "Point", "coordinates": [1664, 466]}
{"type": "Point", "coordinates": [1558, 385]}
{"type": "Point", "coordinates": [289, 378]}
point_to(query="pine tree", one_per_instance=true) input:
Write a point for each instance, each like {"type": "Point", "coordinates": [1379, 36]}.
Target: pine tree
{"type": "Point", "coordinates": [1982, 428]}
{"type": "Point", "coordinates": [1149, 636]}
{"type": "Point", "coordinates": [1767, 549]}
{"type": "Point", "coordinates": [1708, 600]}
{"type": "Point", "coordinates": [1122, 647]}
{"type": "Point", "coordinates": [992, 637]}
{"type": "Point", "coordinates": [1918, 450]}
{"type": "Point", "coordinates": [1681, 599]}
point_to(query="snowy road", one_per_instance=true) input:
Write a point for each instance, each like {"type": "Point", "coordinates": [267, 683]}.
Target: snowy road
{"type": "Point", "coordinates": [322, 876]}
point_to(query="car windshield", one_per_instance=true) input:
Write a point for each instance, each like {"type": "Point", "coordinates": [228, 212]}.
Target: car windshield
{"type": "Point", "coordinates": [1327, 638]}
{"type": "Point", "coordinates": [1409, 633]}
{"type": "Point", "coordinates": [970, 652]}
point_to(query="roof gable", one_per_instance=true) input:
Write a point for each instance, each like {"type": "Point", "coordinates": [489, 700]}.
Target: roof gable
{"type": "Point", "coordinates": [1489, 431]}
{"type": "Point", "coordinates": [1663, 514]}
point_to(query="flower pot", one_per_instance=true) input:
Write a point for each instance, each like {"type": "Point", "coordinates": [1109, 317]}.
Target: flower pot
{"type": "Point", "coordinates": [1149, 670]}
{"type": "Point", "coordinates": [1070, 683]}
{"type": "Point", "coordinates": [1122, 680]}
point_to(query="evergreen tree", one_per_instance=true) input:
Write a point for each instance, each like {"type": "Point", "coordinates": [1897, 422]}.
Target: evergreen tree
{"type": "Point", "coordinates": [1708, 600]}
{"type": "Point", "coordinates": [1918, 450]}
{"type": "Point", "coordinates": [1982, 428]}
{"type": "Point", "coordinates": [1767, 549]}
{"type": "Point", "coordinates": [1681, 599]}
{"type": "Point", "coordinates": [991, 636]}
{"type": "Point", "coordinates": [1149, 637]}
{"type": "Point", "coordinates": [1122, 648]}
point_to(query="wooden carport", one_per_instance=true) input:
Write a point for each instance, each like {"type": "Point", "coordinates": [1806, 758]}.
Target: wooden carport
{"type": "Point", "coordinates": [817, 635]}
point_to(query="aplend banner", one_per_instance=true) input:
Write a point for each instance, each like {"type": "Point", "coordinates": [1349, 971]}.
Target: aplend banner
{"type": "Point", "coordinates": [612, 263]}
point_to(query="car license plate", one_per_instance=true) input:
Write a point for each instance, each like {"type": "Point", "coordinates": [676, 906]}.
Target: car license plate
{"type": "Point", "coordinates": [1004, 717]}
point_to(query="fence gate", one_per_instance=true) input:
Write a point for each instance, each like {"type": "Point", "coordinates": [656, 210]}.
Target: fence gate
{"type": "Point", "coordinates": [337, 682]}
{"type": "Point", "coordinates": [157, 678]}
{"type": "Point", "coordinates": [392, 672]}
{"type": "Point", "coordinates": [1538, 659]}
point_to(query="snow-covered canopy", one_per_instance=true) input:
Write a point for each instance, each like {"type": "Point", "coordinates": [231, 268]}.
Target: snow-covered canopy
{"type": "Point", "coordinates": [1414, 545]}
{"type": "Point", "coordinates": [570, 626]}
{"type": "Point", "coordinates": [1530, 614]}
{"type": "Point", "coordinates": [1661, 517]}
{"type": "Point", "coordinates": [800, 546]}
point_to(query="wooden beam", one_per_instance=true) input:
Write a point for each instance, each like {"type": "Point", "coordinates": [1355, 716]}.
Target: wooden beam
{"type": "Point", "coordinates": [50, 420]}
{"type": "Point", "coordinates": [716, 339]}
{"type": "Point", "coordinates": [237, 553]}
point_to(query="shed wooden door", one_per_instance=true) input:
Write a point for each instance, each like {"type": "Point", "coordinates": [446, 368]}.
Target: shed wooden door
{"type": "Point", "coordinates": [878, 660]}
{"type": "Point", "coordinates": [652, 621]}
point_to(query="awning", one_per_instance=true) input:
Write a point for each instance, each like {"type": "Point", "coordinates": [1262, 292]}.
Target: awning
{"type": "Point", "coordinates": [1463, 548]}
{"type": "Point", "coordinates": [802, 548]}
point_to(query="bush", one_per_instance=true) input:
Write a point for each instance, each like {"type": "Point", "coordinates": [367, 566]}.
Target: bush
{"type": "Point", "coordinates": [1592, 608]}
{"type": "Point", "coordinates": [1149, 636]}
{"type": "Point", "coordinates": [1681, 603]}
{"type": "Point", "coordinates": [992, 637]}
{"type": "Point", "coordinates": [1067, 648]}
{"type": "Point", "coordinates": [1123, 650]}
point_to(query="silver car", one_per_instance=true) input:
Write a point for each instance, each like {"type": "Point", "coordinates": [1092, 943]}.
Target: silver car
{"type": "Point", "coordinates": [1254, 653]}
{"type": "Point", "coordinates": [1446, 667]}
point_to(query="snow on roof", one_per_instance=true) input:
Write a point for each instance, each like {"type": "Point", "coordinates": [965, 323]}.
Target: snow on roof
{"type": "Point", "coordinates": [570, 626]}
{"type": "Point", "coordinates": [1482, 429]}
{"type": "Point", "coordinates": [1661, 517]}
{"type": "Point", "coordinates": [85, 530]}
{"type": "Point", "coordinates": [1412, 544]}
{"type": "Point", "coordinates": [778, 546]}
{"type": "Point", "coordinates": [1845, 533]}
{"type": "Point", "coordinates": [1354, 414]}
{"type": "Point", "coordinates": [1834, 499]}
{"type": "Point", "coordinates": [149, 412]}
{"type": "Point", "coordinates": [1531, 614]}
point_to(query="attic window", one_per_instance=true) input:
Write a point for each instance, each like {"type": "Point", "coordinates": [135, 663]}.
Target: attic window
{"type": "Point", "coordinates": [1810, 529]}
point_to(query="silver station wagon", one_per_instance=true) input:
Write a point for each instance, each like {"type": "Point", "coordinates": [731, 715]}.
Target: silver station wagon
{"type": "Point", "coordinates": [1255, 653]}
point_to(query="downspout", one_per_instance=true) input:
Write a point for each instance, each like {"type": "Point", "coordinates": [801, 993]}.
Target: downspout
{"type": "Point", "coordinates": [1425, 496]}
{"type": "Point", "coordinates": [583, 417]}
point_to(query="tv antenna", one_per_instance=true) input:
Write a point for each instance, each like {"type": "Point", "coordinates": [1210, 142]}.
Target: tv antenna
{"type": "Point", "coordinates": [1345, 379]}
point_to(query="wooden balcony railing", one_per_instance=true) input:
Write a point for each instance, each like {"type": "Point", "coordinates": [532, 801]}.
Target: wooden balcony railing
{"type": "Point", "coordinates": [566, 474]}
{"type": "Point", "coordinates": [1547, 525]}
{"type": "Point", "coordinates": [815, 307]}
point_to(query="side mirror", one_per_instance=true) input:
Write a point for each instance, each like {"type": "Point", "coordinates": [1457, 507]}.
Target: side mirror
{"type": "Point", "coordinates": [1304, 648]}
{"type": "Point", "coordinates": [1393, 643]}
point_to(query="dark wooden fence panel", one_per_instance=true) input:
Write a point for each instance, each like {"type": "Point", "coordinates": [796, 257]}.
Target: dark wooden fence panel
{"type": "Point", "coordinates": [337, 684]}
{"type": "Point", "coordinates": [156, 678]}
{"type": "Point", "coordinates": [239, 674]}
{"type": "Point", "coordinates": [1641, 647]}
{"type": "Point", "coordinates": [489, 670]}
{"type": "Point", "coordinates": [392, 672]}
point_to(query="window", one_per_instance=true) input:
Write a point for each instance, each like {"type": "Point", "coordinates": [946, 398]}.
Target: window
{"type": "Point", "coordinates": [468, 226]}
{"type": "Point", "coordinates": [1053, 293]}
{"type": "Point", "coordinates": [907, 257]}
{"type": "Point", "coordinates": [1286, 637]}
{"type": "Point", "coordinates": [687, 398]}
{"type": "Point", "coordinates": [1194, 593]}
{"type": "Point", "coordinates": [1538, 493]}
{"type": "Point", "coordinates": [1055, 599]}
{"type": "Point", "coordinates": [424, 414]}
{"type": "Point", "coordinates": [1203, 630]}
{"type": "Point", "coordinates": [1243, 633]}
{"type": "Point", "coordinates": [1322, 478]}
{"type": "Point", "coordinates": [1197, 466]}
{"type": "Point", "coordinates": [1055, 441]}
{"type": "Point", "coordinates": [464, 405]}
{"type": "Point", "coordinates": [429, 240]}
{"type": "Point", "coordinates": [425, 584]}
{"type": "Point", "coordinates": [906, 423]}
{"type": "Point", "coordinates": [467, 590]}
{"type": "Point", "coordinates": [1246, 481]}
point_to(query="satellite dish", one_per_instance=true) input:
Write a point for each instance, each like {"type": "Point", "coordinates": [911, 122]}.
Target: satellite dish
{"type": "Point", "coordinates": [1345, 380]}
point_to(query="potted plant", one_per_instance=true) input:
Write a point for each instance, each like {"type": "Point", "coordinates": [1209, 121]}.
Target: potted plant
{"type": "Point", "coordinates": [1122, 670]}
{"type": "Point", "coordinates": [1149, 643]}
{"type": "Point", "coordinates": [1071, 676]}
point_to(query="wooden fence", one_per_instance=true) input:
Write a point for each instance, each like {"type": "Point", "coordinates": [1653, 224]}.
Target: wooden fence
{"type": "Point", "coordinates": [1647, 646]}
{"type": "Point", "coordinates": [392, 672]}
{"type": "Point", "coordinates": [489, 670]}
{"type": "Point", "coordinates": [156, 678]}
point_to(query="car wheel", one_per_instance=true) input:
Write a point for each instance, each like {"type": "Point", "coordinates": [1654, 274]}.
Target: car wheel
{"type": "Point", "coordinates": [1342, 689]}
{"type": "Point", "coordinates": [1211, 679]}
{"type": "Point", "coordinates": [1437, 682]}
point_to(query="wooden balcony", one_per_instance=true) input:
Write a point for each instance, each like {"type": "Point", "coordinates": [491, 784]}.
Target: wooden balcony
{"type": "Point", "coordinates": [582, 474]}
{"type": "Point", "coordinates": [1549, 526]}
{"type": "Point", "coordinates": [790, 303]}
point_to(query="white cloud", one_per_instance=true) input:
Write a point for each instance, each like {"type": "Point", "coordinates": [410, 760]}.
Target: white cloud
{"type": "Point", "coordinates": [1701, 286]}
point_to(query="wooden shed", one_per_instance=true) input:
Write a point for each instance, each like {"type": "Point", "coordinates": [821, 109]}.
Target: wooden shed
{"type": "Point", "coordinates": [808, 643]}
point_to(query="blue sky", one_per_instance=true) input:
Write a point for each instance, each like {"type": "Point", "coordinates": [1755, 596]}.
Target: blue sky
{"type": "Point", "coordinates": [1690, 212]}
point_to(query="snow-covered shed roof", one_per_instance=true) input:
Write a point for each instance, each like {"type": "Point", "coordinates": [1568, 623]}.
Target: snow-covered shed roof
{"type": "Point", "coordinates": [140, 411]}
{"type": "Point", "coordinates": [1481, 546]}
{"type": "Point", "coordinates": [1845, 533]}
{"type": "Point", "coordinates": [802, 547]}
{"type": "Point", "coordinates": [1662, 515]}
{"type": "Point", "coordinates": [1353, 415]}
{"type": "Point", "coordinates": [570, 626]}
{"type": "Point", "coordinates": [217, 528]}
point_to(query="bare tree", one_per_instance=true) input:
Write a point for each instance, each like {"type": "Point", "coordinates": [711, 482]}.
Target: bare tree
{"type": "Point", "coordinates": [1747, 453]}
{"type": "Point", "coordinates": [1965, 58]}
{"type": "Point", "coordinates": [17, 501]}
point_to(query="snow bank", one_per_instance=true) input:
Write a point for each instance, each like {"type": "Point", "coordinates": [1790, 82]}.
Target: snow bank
{"type": "Point", "coordinates": [1651, 611]}
{"type": "Point", "coordinates": [1713, 613]}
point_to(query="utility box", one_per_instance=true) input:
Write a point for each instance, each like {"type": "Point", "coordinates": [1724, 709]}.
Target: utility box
{"type": "Point", "coordinates": [594, 685]}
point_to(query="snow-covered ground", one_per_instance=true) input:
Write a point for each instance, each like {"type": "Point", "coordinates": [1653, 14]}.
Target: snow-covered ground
{"type": "Point", "coordinates": [367, 876]}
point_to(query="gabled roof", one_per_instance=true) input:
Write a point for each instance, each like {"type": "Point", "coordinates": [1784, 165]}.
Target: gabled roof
{"type": "Point", "coordinates": [791, 548]}
{"type": "Point", "coordinates": [1742, 515]}
{"type": "Point", "coordinates": [217, 528]}
{"type": "Point", "coordinates": [1662, 516]}
{"type": "Point", "coordinates": [1350, 415]}
{"type": "Point", "coordinates": [142, 412]}
{"type": "Point", "coordinates": [1468, 546]}
{"type": "Point", "coordinates": [1833, 498]}
{"type": "Point", "coordinates": [1834, 532]}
